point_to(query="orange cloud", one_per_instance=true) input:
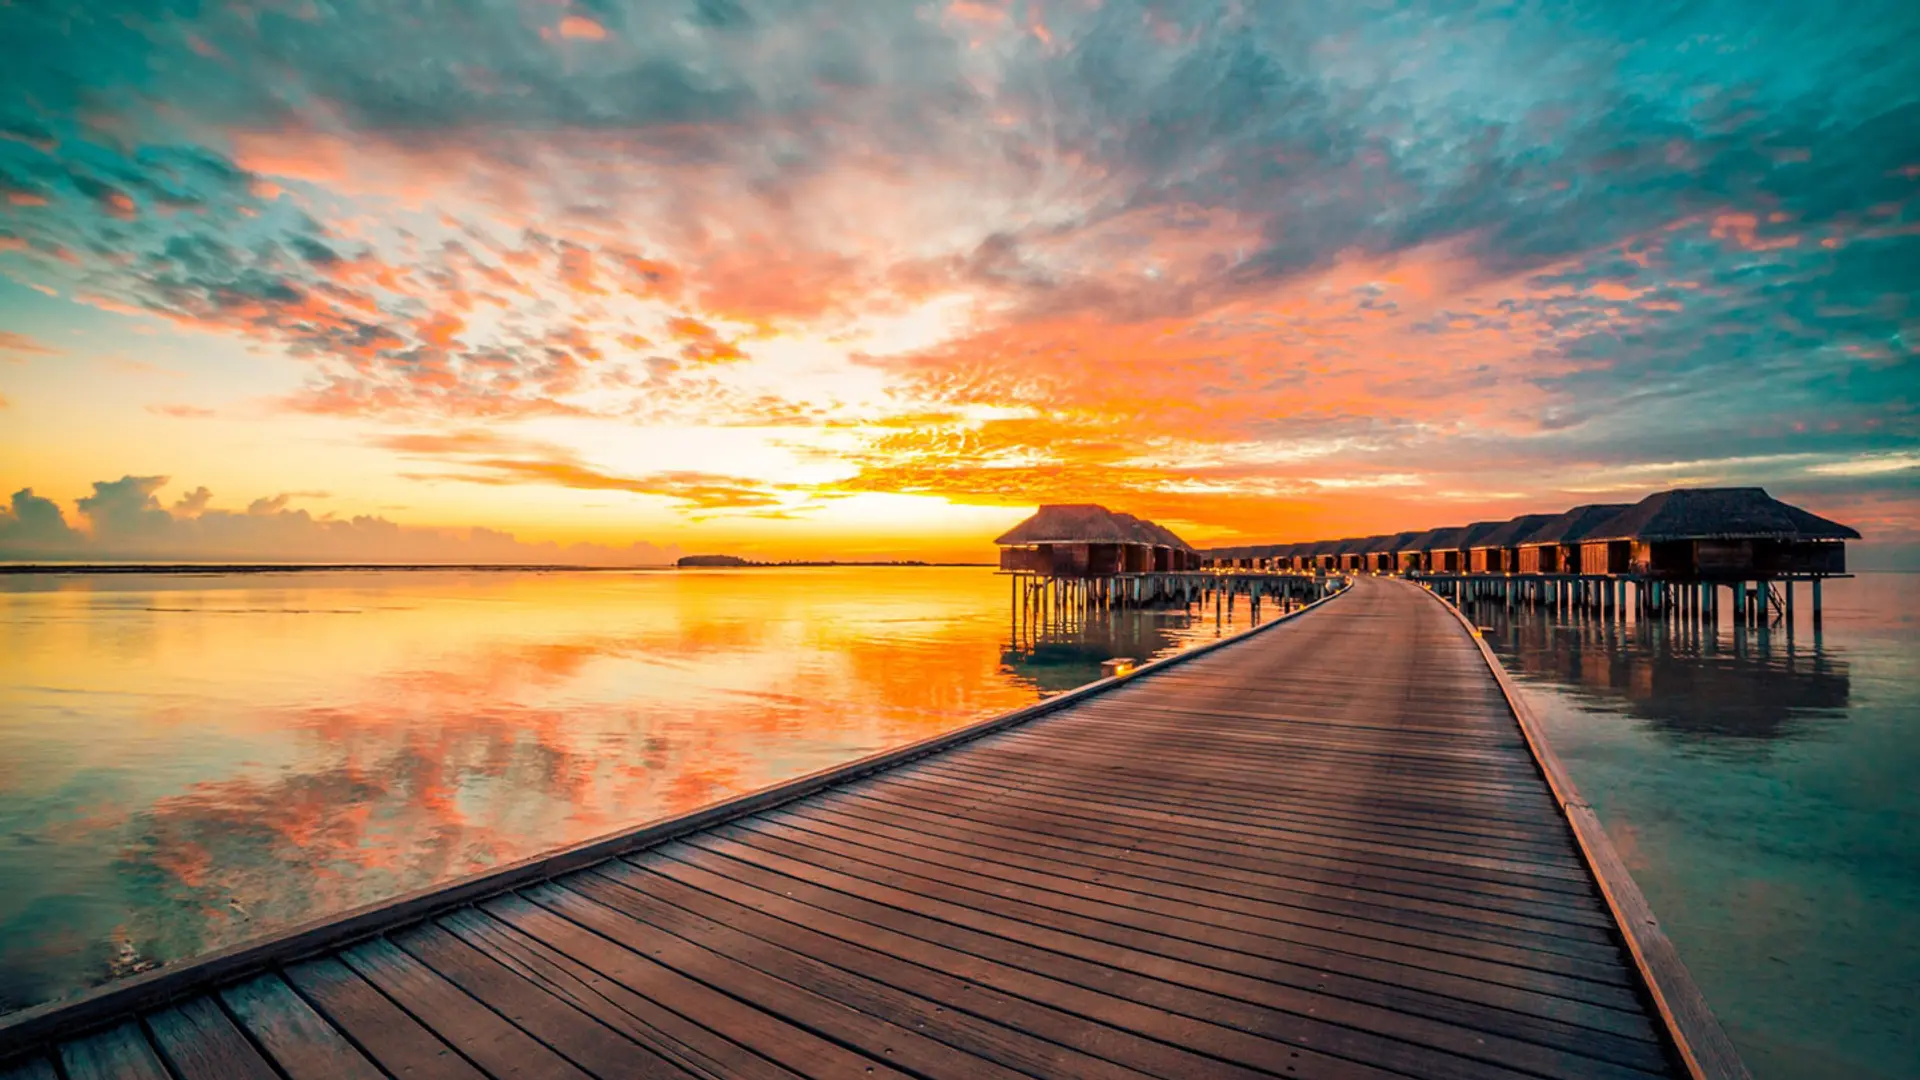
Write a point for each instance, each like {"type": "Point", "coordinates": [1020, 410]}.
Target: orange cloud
{"type": "Point", "coordinates": [440, 329]}
{"type": "Point", "coordinates": [581, 28]}
{"type": "Point", "coordinates": [21, 345]}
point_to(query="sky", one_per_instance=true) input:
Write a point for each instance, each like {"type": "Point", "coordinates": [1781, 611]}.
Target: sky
{"type": "Point", "coordinates": [606, 281]}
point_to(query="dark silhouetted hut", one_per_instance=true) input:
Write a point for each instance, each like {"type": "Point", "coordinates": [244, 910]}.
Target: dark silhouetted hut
{"type": "Point", "coordinates": [1084, 540]}
{"type": "Point", "coordinates": [1471, 537]}
{"type": "Point", "coordinates": [1412, 556]}
{"type": "Point", "coordinates": [1554, 548]}
{"type": "Point", "coordinates": [1726, 534]}
{"type": "Point", "coordinates": [1384, 557]}
{"type": "Point", "coordinates": [1297, 558]}
{"type": "Point", "coordinates": [1498, 552]}
{"type": "Point", "coordinates": [1319, 556]}
{"type": "Point", "coordinates": [1338, 553]}
{"type": "Point", "coordinates": [1440, 550]}
{"type": "Point", "coordinates": [1357, 556]}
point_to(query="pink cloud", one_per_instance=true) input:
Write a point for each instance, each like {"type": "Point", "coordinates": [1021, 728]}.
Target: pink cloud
{"type": "Point", "coordinates": [581, 28]}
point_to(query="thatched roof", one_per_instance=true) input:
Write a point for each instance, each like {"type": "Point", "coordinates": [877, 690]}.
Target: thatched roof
{"type": "Point", "coordinates": [1417, 541]}
{"type": "Point", "coordinates": [1152, 533]}
{"type": "Point", "coordinates": [1475, 535]}
{"type": "Point", "coordinates": [1514, 532]}
{"type": "Point", "coordinates": [1684, 514]}
{"type": "Point", "coordinates": [1086, 523]}
{"type": "Point", "coordinates": [1391, 544]}
{"type": "Point", "coordinates": [1719, 514]}
{"type": "Point", "coordinates": [1576, 524]}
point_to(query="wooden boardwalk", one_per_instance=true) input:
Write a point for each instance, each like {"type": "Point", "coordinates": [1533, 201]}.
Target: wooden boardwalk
{"type": "Point", "coordinates": [1324, 850]}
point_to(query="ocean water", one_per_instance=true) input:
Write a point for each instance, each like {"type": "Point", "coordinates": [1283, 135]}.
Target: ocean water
{"type": "Point", "coordinates": [1764, 790]}
{"type": "Point", "coordinates": [192, 760]}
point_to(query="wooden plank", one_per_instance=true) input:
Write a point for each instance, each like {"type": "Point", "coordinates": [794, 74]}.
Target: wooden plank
{"type": "Point", "coordinates": [298, 1039]}
{"type": "Point", "coordinates": [1285, 844]}
{"type": "Point", "coordinates": [850, 983]}
{"type": "Point", "coordinates": [1297, 926]}
{"type": "Point", "coordinates": [1215, 862]}
{"type": "Point", "coordinates": [958, 981]}
{"type": "Point", "coordinates": [1230, 881]}
{"type": "Point", "coordinates": [1335, 981]}
{"type": "Point", "coordinates": [775, 1038]}
{"type": "Point", "coordinates": [981, 854]}
{"type": "Point", "coordinates": [392, 1038]}
{"type": "Point", "coordinates": [1326, 819]}
{"type": "Point", "coordinates": [1200, 1023]}
{"type": "Point", "coordinates": [573, 1034]}
{"type": "Point", "coordinates": [481, 1035]}
{"type": "Point", "coordinates": [879, 1037]}
{"type": "Point", "coordinates": [118, 1053]}
{"type": "Point", "coordinates": [1469, 819]}
{"type": "Point", "coordinates": [1224, 946]}
{"type": "Point", "coordinates": [37, 1025]}
{"type": "Point", "coordinates": [672, 1036]}
{"type": "Point", "coordinates": [1518, 809]}
{"type": "Point", "coordinates": [1383, 1039]}
{"type": "Point", "coordinates": [200, 1043]}
{"type": "Point", "coordinates": [1702, 1043]}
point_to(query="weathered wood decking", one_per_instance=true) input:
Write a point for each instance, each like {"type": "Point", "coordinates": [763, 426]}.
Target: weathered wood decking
{"type": "Point", "coordinates": [1324, 850]}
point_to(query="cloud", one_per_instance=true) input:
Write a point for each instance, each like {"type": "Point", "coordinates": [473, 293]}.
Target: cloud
{"type": "Point", "coordinates": [1130, 247]}
{"type": "Point", "coordinates": [15, 346]}
{"type": "Point", "coordinates": [124, 520]}
{"type": "Point", "coordinates": [482, 457]}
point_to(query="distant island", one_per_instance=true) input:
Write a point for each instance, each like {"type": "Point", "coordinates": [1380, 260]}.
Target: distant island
{"type": "Point", "coordinates": [708, 561]}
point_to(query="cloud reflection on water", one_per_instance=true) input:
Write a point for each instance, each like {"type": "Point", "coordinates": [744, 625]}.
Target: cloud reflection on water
{"type": "Point", "coordinates": [199, 760]}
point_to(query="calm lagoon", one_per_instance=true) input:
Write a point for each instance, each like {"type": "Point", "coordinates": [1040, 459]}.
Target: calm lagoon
{"type": "Point", "coordinates": [188, 761]}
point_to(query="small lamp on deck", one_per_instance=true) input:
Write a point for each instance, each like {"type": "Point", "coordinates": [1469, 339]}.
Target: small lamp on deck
{"type": "Point", "coordinates": [1119, 665]}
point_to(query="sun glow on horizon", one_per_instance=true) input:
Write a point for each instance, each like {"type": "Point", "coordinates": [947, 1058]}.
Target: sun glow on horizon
{"type": "Point", "coordinates": [586, 281]}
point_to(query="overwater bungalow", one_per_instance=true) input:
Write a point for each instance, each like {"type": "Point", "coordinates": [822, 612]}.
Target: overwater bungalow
{"type": "Point", "coordinates": [1087, 541]}
{"type": "Point", "coordinates": [1384, 556]}
{"type": "Point", "coordinates": [1333, 557]}
{"type": "Point", "coordinates": [1471, 537]}
{"type": "Point", "coordinates": [1412, 556]}
{"type": "Point", "coordinates": [1554, 548]}
{"type": "Point", "coordinates": [1156, 550]}
{"type": "Point", "coordinates": [1699, 534]}
{"type": "Point", "coordinates": [1717, 534]}
{"type": "Point", "coordinates": [1352, 554]}
{"type": "Point", "coordinates": [1498, 552]}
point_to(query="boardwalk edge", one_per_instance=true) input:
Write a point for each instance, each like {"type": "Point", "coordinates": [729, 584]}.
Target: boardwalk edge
{"type": "Point", "coordinates": [1696, 1033]}
{"type": "Point", "coordinates": [24, 1030]}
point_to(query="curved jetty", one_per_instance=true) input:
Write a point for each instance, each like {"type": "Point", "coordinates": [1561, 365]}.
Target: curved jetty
{"type": "Point", "coordinates": [1323, 848]}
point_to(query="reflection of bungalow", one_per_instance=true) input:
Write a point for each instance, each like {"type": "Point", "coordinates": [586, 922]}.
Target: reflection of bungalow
{"type": "Point", "coordinates": [1554, 548]}
{"type": "Point", "coordinates": [1084, 540]}
{"type": "Point", "coordinates": [1725, 534]}
{"type": "Point", "coordinates": [1498, 552]}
